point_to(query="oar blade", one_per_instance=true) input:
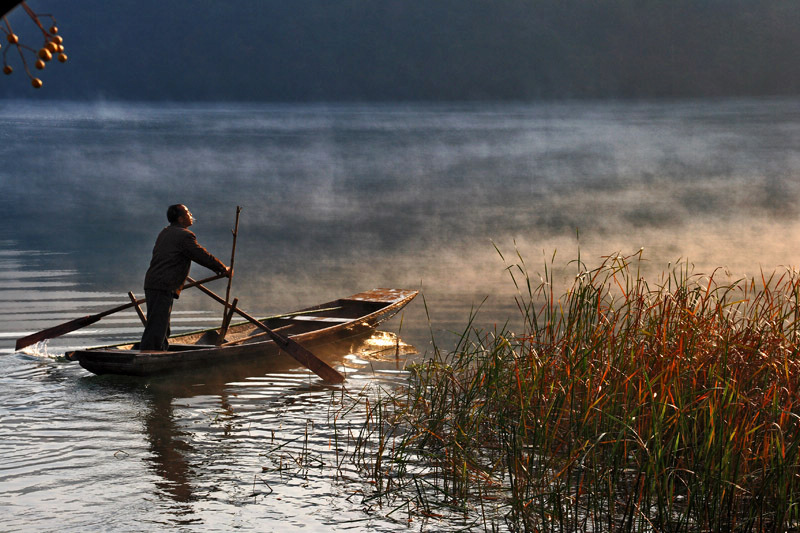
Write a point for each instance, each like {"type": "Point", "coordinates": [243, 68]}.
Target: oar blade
{"type": "Point", "coordinates": [78, 323]}
{"type": "Point", "coordinates": [56, 331]}
{"type": "Point", "coordinates": [306, 358]}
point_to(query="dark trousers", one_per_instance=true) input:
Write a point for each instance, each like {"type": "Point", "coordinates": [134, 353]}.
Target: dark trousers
{"type": "Point", "coordinates": [159, 308]}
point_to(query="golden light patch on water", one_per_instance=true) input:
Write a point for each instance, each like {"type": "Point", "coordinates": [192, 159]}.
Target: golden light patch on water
{"type": "Point", "coordinates": [710, 184]}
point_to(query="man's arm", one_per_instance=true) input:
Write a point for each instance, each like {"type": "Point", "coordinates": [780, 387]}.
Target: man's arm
{"type": "Point", "coordinates": [201, 256]}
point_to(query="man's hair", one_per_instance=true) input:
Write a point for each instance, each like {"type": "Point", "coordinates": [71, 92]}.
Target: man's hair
{"type": "Point", "coordinates": [174, 212]}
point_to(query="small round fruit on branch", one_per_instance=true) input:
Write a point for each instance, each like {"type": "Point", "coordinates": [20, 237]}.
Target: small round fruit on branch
{"type": "Point", "coordinates": [36, 82]}
{"type": "Point", "coordinates": [62, 57]}
{"type": "Point", "coordinates": [45, 54]}
{"type": "Point", "coordinates": [12, 38]}
{"type": "Point", "coordinates": [40, 64]}
{"type": "Point", "coordinates": [53, 29]}
{"type": "Point", "coordinates": [7, 69]}
{"type": "Point", "coordinates": [52, 47]}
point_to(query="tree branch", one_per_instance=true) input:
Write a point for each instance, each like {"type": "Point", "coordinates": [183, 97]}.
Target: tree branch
{"type": "Point", "coordinates": [8, 5]}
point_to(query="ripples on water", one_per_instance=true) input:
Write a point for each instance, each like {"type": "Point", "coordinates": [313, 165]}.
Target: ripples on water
{"type": "Point", "coordinates": [338, 199]}
{"type": "Point", "coordinates": [253, 451]}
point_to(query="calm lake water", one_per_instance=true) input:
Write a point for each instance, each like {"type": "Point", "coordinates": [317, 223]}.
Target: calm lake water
{"type": "Point", "coordinates": [337, 200]}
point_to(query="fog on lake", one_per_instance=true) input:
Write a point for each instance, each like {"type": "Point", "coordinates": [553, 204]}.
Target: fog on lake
{"type": "Point", "coordinates": [337, 199]}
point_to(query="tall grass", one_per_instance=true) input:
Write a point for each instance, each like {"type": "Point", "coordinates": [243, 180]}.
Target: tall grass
{"type": "Point", "coordinates": [621, 406]}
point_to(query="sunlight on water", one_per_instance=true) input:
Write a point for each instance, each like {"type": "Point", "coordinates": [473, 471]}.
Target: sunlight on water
{"type": "Point", "coordinates": [337, 200]}
{"type": "Point", "coordinates": [220, 450]}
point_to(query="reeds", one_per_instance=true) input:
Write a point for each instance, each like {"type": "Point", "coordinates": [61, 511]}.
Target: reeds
{"type": "Point", "coordinates": [621, 406]}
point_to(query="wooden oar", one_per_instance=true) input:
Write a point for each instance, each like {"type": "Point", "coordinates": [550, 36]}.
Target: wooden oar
{"type": "Point", "coordinates": [305, 312]}
{"type": "Point", "coordinates": [280, 328]}
{"type": "Point", "coordinates": [138, 309]}
{"type": "Point", "coordinates": [78, 323]}
{"type": "Point", "coordinates": [301, 355]}
{"type": "Point", "coordinates": [255, 336]}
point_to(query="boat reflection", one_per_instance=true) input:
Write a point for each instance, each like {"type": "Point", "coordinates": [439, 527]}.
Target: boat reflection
{"type": "Point", "coordinates": [222, 420]}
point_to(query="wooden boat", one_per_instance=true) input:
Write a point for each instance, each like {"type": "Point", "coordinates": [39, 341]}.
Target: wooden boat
{"type": "Point", "coordinates": [312, 327]}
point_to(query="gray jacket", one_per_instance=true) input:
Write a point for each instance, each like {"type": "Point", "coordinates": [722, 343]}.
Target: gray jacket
{"type": "Point", "coordinates": [175, 249]}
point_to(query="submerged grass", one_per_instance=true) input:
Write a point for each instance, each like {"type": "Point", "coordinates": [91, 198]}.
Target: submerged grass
{"type": "Point", "coordinates": [621, 406]}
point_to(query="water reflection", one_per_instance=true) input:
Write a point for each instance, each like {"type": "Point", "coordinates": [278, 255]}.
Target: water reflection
{"type": "Point", "coordinates": [187, 448]}
{"type": "Point", "coordinates": [191, 448]}
{"type": "Point", "coordinates": [338, 199]}
{"type": "Point", "coordinates": [169, 446]}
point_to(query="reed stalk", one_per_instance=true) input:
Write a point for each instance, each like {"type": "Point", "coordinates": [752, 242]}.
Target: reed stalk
{"type": "Point", "coordinates": [621, 405]}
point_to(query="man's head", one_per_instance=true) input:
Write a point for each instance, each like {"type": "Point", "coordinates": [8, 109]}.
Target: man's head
{"type": "Point", "coordinates": [180, 214]}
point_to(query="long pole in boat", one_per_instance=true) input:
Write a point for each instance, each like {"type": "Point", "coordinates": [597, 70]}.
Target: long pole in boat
{"type": "Point", "coordinates": [225, 312]}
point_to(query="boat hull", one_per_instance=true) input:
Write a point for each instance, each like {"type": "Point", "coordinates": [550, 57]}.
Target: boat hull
{"type": "Point", "coordinates": [319, 328]}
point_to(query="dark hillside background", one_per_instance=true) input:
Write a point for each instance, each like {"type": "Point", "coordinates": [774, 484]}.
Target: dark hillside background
{"type": "Point", "coordinates": [416, 50]}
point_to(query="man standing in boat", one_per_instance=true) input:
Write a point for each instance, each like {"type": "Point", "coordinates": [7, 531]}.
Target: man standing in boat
{"type": "Point", "coordinates": [175, 249]}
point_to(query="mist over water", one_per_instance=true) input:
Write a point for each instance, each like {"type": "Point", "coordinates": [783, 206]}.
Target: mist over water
{"type": "Point", "coordinates": [337, 199]}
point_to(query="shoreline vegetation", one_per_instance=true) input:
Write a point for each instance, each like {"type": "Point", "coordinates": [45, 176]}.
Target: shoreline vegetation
{"type": "Point", "coordinates": [622, 405]}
